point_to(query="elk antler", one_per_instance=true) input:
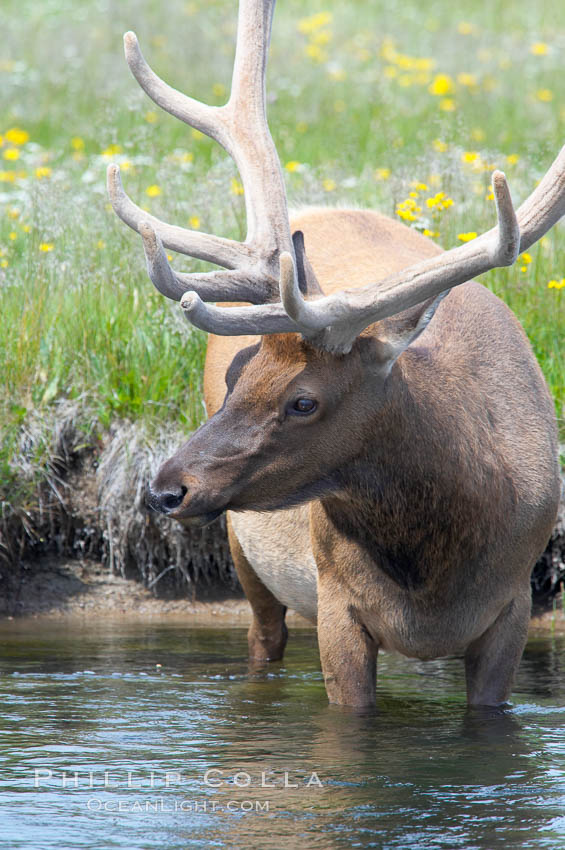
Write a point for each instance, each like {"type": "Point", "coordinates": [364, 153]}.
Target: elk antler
{"type": "Point", "coordinates": [240, 126]}
{"type": "Point", "coordinates": [267, 261]}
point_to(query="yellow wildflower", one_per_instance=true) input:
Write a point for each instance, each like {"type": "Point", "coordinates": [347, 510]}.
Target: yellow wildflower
{"type": "Point", "coordinates": [539, 48]}
{"type": "Point", "coordinates": [512, 158]}
{"type": "Point", "coordinates": [545, 95]}
{"type": "Point", "coordinates": [46, 247]}
{"type": "Point", "coordinates": [470, 157]}
{"type": "Point", "coordinates": [151, 116]}
{"type": "Point", "coordinates": [111, 150]}
{"type": "Point", "coordinates": [11, 154]}
{"type": "Point", "coordinates": [388, 49]}
{"type": "Point", "coordinates": [16, 136]}
{"type": "Point", "coordinates": [292, 166]}
{"type": "Point", "coordinates": [328, 184]}
{"type": "Point", "coordinates": [26, 228]}
{"type": "Point", "coordinates": [447, 104]}
{"type": "Point", "coordinates": [322, 37]}
{"type": "Point", "coordinates": [469, 80]}
{"type": "Point", "coordinates": [4, 264]}
{"type": "Point", "coordinates": [436, 200]}
{"type": "Point", "coordinates": [525, 258]}
{"type": "Point", "coordinates": [194, 222]}
{"type": "Point", "coordinates": [466, 237]}
{"type": "Point", "coordinates": [311, 24]}
{"type": "Point", "coordinates": [441, 85]}
{"type": "Point", "coordinates": [433, 234]}
{"type": "Point", "coordinates": [13, 212]}
{"type": "Point", "coordinates": [43, 171]}
{"type": "Point", "coordinates": [13, 235]}
{"type": "Point", "coordinates": [439, 146]}
{"type": "Point", "coordinates": [236, 188]}
{"type": "Point", "coordinates": [408, 210]}
{"type": "Point", "coordinates": [153, 191]}
{"type": "Point", "coordinates": [465, 28]}
{"type": "Point", "coordinates": [556, 284]}
{"type": "Point", "coordinates": [382, 173]}
{"type": "Point", "coordinates": [419, 187]}
{"type": "Point", "coordinates": [315, 52]}
{"type": "Point", "coordinates": [100, 244]}
{"type": "Point", "coordinates": [77, 143]}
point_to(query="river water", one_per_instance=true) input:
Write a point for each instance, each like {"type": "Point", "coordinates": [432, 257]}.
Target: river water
{"type": "Point", "coordinates": [157, 735]}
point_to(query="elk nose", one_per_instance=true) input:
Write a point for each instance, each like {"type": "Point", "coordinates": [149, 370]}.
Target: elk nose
{"type": "Point", "coordinates": [166, 501]}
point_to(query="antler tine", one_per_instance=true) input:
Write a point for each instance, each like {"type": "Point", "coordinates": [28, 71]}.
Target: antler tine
{"type": "Point", "coordinates": [211, 286]}
{"type": "Point", "coordinates": [254, 151]}
{"type": "Point", "coordinates": [203, 117]}
{"type": "Point", "coordinates": [202, 246]}
{"type": "Point", "coordinates": [237, 321]}
{"type": "Point", "coordinates": [240, 126]}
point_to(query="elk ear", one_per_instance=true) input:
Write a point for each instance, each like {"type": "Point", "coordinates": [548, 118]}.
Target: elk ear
{"type": "Point", "coordinates": [400, 331]}
{"type": "Point", "coordinates": [307, 280]}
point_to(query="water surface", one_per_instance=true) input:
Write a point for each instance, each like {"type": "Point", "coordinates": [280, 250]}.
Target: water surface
{"type": "Point", "coordinates": [143, 736]}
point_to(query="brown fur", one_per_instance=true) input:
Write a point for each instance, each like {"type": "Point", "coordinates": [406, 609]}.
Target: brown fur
{"type": "Point", "coordinates": [431, 475]}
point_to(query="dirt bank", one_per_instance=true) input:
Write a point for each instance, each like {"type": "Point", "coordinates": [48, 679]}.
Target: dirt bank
{"type": "Point", "coordinates": [62, 589]}
{"type": "Point", "coordinates": [69, 589]}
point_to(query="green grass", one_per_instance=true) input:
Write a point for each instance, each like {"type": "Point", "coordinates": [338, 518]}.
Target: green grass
{"type": "Point", "coordinates": [81, 320]}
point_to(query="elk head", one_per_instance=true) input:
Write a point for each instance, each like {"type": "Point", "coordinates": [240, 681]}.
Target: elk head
{"type": "Point", "coordinates": [279, 437]}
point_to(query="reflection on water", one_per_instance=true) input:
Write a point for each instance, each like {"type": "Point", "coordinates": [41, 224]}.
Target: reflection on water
{"type": "Point", "coordinates": [143, 736]}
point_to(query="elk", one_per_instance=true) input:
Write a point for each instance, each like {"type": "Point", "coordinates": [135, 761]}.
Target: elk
{"type": "Point", "coordinates": [380, 433]}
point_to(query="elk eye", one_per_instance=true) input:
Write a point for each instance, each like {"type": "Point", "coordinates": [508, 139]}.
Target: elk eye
{"type": "Point", "coordinates": [304, 405]}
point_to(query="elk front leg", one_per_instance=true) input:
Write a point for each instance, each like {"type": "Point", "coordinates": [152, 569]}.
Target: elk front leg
{"type": "Point", "coordinates": [347, 651]}
{"type": "Point", "coordinates": [491, 661]}
{"type": "Point", "coordinates": [267, 633]}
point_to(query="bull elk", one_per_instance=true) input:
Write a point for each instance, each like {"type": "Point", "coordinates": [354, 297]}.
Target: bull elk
{"type": "Point", "coordinates": [380, 433]}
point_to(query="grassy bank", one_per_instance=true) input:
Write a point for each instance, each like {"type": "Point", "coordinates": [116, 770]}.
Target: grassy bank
{"type": "Point", "coordinates": [403, 107]}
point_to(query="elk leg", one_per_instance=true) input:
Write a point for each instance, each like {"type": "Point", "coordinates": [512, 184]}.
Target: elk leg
{"type": "Point", "coordinates": [347, 651]}
{"type": "Point", "coordinates": [267, 633]}
{"type": "Point", "coordinates": [491, 661]}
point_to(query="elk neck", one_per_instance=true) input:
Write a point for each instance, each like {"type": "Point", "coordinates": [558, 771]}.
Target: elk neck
{"type": "Point", "coordinates": [434, 456]}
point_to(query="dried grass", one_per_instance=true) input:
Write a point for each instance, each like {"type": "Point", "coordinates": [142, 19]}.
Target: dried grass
{"type": "Point", "coordinates": [86, 499]}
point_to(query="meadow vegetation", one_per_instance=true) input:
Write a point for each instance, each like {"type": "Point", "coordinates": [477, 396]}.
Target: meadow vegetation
{"type": "Point", "coordinates": [403, 107]}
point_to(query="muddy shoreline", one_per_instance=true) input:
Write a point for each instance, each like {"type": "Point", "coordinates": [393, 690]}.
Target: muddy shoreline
{"type": "Point", "coordinates": [65, 589]}
{"type": "Point", "coordinates": [68, 590]}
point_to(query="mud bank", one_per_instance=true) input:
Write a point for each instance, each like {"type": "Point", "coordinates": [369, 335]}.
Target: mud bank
{"type": "Point", "coordinates": [70, 590]}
